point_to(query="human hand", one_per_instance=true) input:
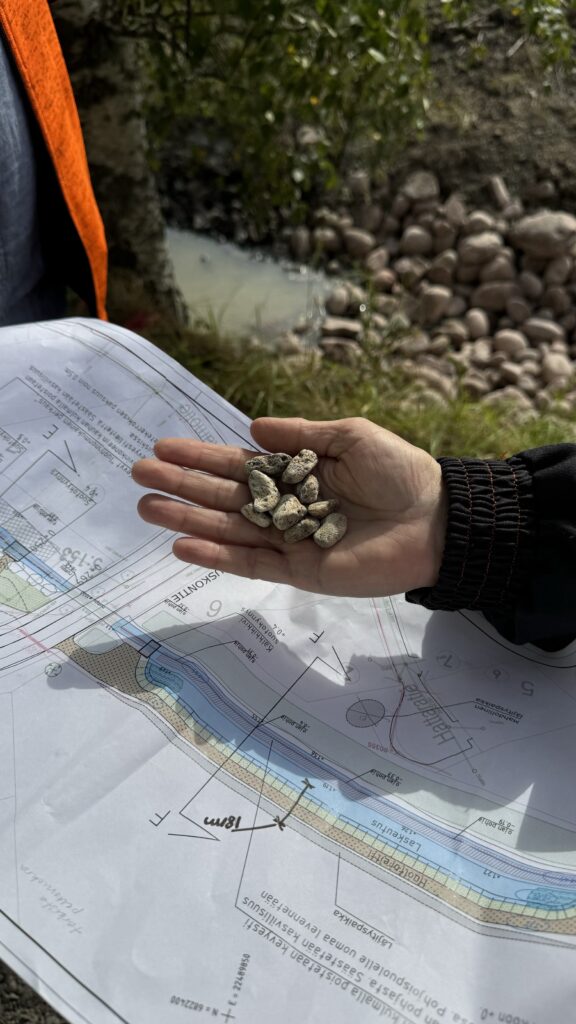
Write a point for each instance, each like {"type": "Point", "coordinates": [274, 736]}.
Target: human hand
{"type": "Point", "coordinates": [391, 492]}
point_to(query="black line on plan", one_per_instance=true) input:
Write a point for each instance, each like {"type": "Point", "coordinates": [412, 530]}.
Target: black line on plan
{"type": "Point", "coordinates": [59, 963]}
{"type": "Point", "coordinates": [351, 912]}
{"type": "Point", "coordinates": [242, 742]}
{"type": "Point", "coordinates": [278, 821]}
{"type": "Point", "coordinates": [307, 785]}
{"type": "Point", "coordinates": [256, 828]}
{"type": "Point", "coordinates": [192, 654]}
{"type": "Point", "coordinates": [69, 464]}
{"type": "Point", "coordinates": [346, 676]}
{"type": "Point", "coordinates": [255, 819]}
{"type": "Point", "coordinates": [26, 967]}
{"type": "Point", "coordinates": [11, 483]}
{"type": "Point", "coordinates": [462, 830]}
{"type": "Point", "coordinates": [519, 654]}
{"type": "Point", "coordinates": [185, 835]}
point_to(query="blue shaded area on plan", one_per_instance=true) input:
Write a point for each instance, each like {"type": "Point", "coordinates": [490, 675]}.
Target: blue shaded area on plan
{"type": "Point", "coordinates": [202, 696]}
{"type": "Point", "coordinates": [21, 554]}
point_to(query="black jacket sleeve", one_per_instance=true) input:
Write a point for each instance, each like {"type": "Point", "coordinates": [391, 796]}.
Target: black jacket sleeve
{"type": "Point", "coordinates": [511, 544]}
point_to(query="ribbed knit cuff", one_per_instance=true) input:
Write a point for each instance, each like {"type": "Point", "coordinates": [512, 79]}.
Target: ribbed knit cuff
{"type": "Point", "coordinates": [489, 536]}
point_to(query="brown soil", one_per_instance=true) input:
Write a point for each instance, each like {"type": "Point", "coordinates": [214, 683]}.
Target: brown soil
{"type": "Point", "coordinates": [492, 111]}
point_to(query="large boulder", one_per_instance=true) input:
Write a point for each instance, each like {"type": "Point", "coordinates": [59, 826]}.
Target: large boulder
{"type": "Point", "coordinates": [544, 235]}
{"type": "Point", "coordinates": [479, 248]}
{"type": "Point", "coordinates": [421, 185]}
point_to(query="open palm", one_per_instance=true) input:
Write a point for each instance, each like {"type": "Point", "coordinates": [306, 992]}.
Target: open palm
{"type": "Point", "coordinates": [390, 491]}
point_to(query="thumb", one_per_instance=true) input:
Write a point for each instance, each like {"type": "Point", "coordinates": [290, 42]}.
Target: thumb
{"type": "Point", "coordinates": [325, 437]}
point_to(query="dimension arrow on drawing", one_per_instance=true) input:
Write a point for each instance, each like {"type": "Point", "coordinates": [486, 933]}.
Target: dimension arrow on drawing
{"type": "Point", "coordinates": [278, 822]}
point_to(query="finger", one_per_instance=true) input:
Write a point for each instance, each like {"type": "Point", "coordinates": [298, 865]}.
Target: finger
{"type": "Point", "coordinates": [222, 459]}
{"type": "Point", "coordinates": [325, 437]}
{"type": "Point", "coordinates": [255, 563]}
{"type": "Point", "coordinates": [200, 488]}
{"type": "Point", "coordinates": [222, 527]}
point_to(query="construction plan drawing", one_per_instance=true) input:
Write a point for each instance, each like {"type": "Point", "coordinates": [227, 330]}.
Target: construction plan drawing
{"type": "Point", "coordinates": [229, 800]}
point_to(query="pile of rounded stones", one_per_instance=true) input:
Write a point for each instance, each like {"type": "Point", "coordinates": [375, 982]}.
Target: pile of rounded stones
{"type": "Point", "coordinates": [485, 299]}
{"type": "Point", "coordinates": [298, 513]}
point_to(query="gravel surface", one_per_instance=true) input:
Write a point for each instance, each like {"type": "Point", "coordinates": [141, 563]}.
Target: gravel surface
{"type": "Point", "coordinates": [20, 1005]}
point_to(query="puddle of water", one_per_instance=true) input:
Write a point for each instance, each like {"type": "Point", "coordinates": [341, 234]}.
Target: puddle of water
{"type": "Point", "coordinates": [240, 292]}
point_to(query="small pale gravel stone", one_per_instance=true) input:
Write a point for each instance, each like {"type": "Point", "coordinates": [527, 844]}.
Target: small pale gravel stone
{"type": "Point", "coordinates": [493, 295]}
{"type": "Point", "coordinates": [500, 191]}
{"type": "Point", "coordinates": [358, 243]}
{"type": "Point", "coordinates": [400, 206]}
{"type": "Point", "coordinates": [338, 301]}
{"type": "Point", "coordinates": [500, 268]}
{"type": "Point", "coordinates": [481, 352]}
{"type": "Point", "coordinates": [442, 268]}
{"type": "Point", "coordinates": [377, 260]}
{"type": "Point", "coordinates": [288, 512]}
{"type": "Point", "coordinates": [528, 385]}
{"type": "Point", "coordinates": [511, 373]}
{"type": "Point", "coordinates": [272, 465]}
{"type": "Point", "coordinates": [290, 344]}
{"type": "Point", "coordinates": [264, 491]}
{"type": "Point", "coordinates": [444, 235]}
{"type": "Point", "coordinates": [474, 384]}
{"type": "Point", "coordinates": [531, 366]}
{"type": "Point", "coordinates": [477, 322]}
{"type": "Point", "coordinates": [384, 280]}
{"type": "Point", "coordinates": [518, 309]}
{"type": "Point", "coordinates": [415, 241]}
{"type": "Point", "coordinates": [341, 327]}
{"type": "Point", "coordinates": [557, 298]}
{"type": "Point", "coordinates": [421, 185]}
{"type": "Point", "coordinates": [476, 249]}
{"type": "Point", "coordinates": [512, 343]}
{"type": "Point", "coordinates": [341, 350]}
{"type": "Point", "coordinates": [539, 329]}
{"type": "Point", "coordinates": [555, 366]}
{"type": "Point", "coordinates": [433, 304]}
{"type": "Point", "coordinates": [414, 345]}
{"type": "Point", "coordinates": [477, 222]}
{"type": "Point", "coordinates": [435, 380]}
{"type": "Point", "coordinates": [454, 210]}
{"type": "Point", "coordinates": [439, 345]}
{"type": "Point", "coordinates": [558, 270]}
{"type": "Point", "coordinates": [326, 218]}
{"type": "Point", "coordinates": [300, 466]}
{"type": "Point", "coordinates": [457, 307]}
{"type": "Point", "coordinates": [331, 530]}
{"type": "Point", "coordinates": [305, 528]}
{"type": "Point", "coordinates": [326, 240]}
{"type": "Point", "coordinates": [509, 395]}
{"type": "Point", "coordinates": [455, 329]}
{"type": "Point", "coordinates": [259, 518]}
{"type": "Point", "coordinates": [368, 217]}
{"type": "Point", "coordinates": [308, 490]}
{"type": "Point", "coordinates": [321, 509]}
{"type": "Point", "coordinates": [356, 297]}
{"type": "Point", "coordinates": [531, 285]}
{"type": "Point", "coordinates": [410, 270]}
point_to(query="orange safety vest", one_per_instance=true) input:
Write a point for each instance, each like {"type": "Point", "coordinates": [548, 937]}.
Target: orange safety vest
{"type": "Point", "coordinates": [30, 33]}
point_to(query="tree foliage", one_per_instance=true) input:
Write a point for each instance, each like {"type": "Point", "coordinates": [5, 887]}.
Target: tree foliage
{"type": "Point", "coordinates": [301, 89]}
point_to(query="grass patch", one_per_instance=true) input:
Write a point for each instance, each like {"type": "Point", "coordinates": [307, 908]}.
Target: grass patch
{"type": "Point", "coordinates": [261, 384]}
